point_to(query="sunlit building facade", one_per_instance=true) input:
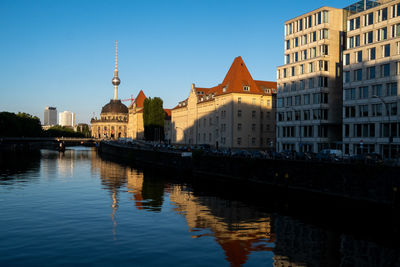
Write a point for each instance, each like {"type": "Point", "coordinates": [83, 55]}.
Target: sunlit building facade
{"type": "Point", "coordinates": [309, 109]}
{"type": "Point", "coordinates": [50, 116]}
{"type": "Point", "coordinates": [371, 74]}
{"type": "Point", "coordinates": [238, 113]}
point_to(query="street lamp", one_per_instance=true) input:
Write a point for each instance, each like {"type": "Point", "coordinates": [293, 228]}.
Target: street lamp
{"type": "Point", "coordinates": [294, 110]}
{"type": "Point", "coordinates": [389, 128]}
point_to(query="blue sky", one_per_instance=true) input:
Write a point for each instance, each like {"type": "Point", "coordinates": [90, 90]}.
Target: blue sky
{"type": "Point", "coordinates": [61, 53]}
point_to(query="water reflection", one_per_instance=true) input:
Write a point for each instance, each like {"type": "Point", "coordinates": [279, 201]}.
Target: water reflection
{"type": "Point", "coordinates": [246, 233]}
{"type": "Point", "coordinates": [238, 229]}
{"type": "Point", "coordinates": [19, 167]}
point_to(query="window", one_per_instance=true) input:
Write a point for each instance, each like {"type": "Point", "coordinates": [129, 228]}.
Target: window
{"type": "Point", "coordinates": [246, 88]}
{"type": "Point", "coordinates": [377, 90]}
{"type": "Point", "coordinates": [358, 75]}
{"type": "Point", "coordinates": [306, 115]}
{"type": "Point", "coordinates": [313, 37]}
{"type": "Point", "coordinates": [293, 71]}
{"type": "Point", "coordinates": [297, 100]}
{"type": "Point", "coordinates": [395, 10]}
{"type": "Point", "coordinates": [350, 94]}
{"type": "Point", "coordinates": [382, 34]}
{"type": "Point", "coordinates": [324, 50]}
{"type": "Point", "coordinates": [239, 126]}
{"type": "Point", "coordinates": [377, 110]}
{"type": "Point", "coordinates": [280, 102]}
{"type": "Point", "coordinates": [391, 89]}
{"type": "Point", "coordinates": [253, 101]}
{"type": "Point", "coordinates": [306, 99]}
{"type": "Point", "coordinates": [386, 50]}
{"type": "Point", "coordinates": [385, 70]}
{"type": "Point", "coordinates": [322, 81]}
{"type": "Point", "coordinates": [296, 57]}
{"type": "Point", "coordinates": [304, 39]}
{"type": "Point", "coordinates": [253, 140]}
{"type": "Point", "coordinates": [346, 59]}
{"type": "Point", "coordinates": [372, 53]}
{"type": "Point", "coordinates": [311, 83]}
{"type": "Point", "coordinates": [253, 127]}
{"type": "Point", "coordinates": [253, 114]}
{"type": "Point", "coordinates": [310, 67]}
{"type": "Point", "coordinates": [396, 30]}
{"type": "Point", "coordinates": [239, 113]}
{"type": "Point", "coordinates": [363, 92]}
{"type": "Point", "coordinates": [296, 42]}
{"type": "Point", "coordinates": [301, 69]}
{"type": "Point", "coordinates": [324, 34]}
{"type": "Point", "coordinates": [313, 52]}
{"type": "Point", "coordinates": [302, 83]}
{"type": "Point", "coordinates": [382, 14]}
{"type": "Point", "coordinates": [369, 19]}
{"type": "Point", "coordinates": [368, 37]}
{"type": "Point", "coordinates": [287, 60]}
{"type": "Point", "coordinates": [287, 44]}
{"type": "Point", "coordinates": [325, 16]}
{"type": "Point", "coordinates": [371, 73]}
{"type": "Point", "coordinates": [239, 100]}
{"type": "Point", "coordinates": [346, 76]}
{"type": "Point", "coordinates": [239, 141]}
{"type": "Point", "coordinates": [359, 56]}
{"type": "Point", "coordinates": [323, 65]}
{"type": "Point", "coordinates": [350, 112]}
{"type": "Point", "coordinates": [363, 110]}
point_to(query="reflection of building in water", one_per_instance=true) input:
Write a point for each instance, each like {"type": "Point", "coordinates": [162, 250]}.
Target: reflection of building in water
{"type": "Point", "coordinates": [147, 193]}
{"type": "Point", "coordinates": [299, 244]}
{"type": "Point", "coordinates": [237, 228]}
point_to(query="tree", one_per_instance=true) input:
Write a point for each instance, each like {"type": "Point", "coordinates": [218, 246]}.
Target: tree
{"type": "Point", "coordinates": [153, 119]}
{"type": "Point", "coordinates": [19, 125]}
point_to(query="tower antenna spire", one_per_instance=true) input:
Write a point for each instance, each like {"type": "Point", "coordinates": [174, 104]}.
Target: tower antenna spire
{"type": "Point", "coordinates": [116, 81]}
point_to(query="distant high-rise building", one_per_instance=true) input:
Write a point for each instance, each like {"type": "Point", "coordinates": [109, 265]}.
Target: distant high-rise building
{"type": "Point", "coordinates": [67, 118]}
{"type": "Point", "coordinates": [50, 116]}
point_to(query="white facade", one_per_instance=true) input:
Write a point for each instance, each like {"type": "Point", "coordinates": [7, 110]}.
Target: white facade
{"type": "Point", "coordinates": [50, 116]}
{"type": "Point", "coordinates": [67, 118]}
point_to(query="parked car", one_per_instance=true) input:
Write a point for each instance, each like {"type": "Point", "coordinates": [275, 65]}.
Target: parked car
{"type": "Point", "coordinates": [330, 155]}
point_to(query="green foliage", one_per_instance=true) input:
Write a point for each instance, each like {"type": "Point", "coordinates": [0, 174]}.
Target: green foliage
{"type": "Point", "coordinates": [19, 125]}
{"type": "Point", "coordinates": [153, 119]}
{"type": "Point", "coordinates": [62, 131]}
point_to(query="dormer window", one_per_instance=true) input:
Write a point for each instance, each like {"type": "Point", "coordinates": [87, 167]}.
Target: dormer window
{"type": "Point", "coordinates": [268, 91]}
{"type": "Point", "coordinates": [246, 88]}
{"type": "Point", "coordinates": [224, 89]}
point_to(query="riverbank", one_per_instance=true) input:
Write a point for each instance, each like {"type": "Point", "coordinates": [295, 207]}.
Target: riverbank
{"type": "Point", "coordinates": [358, 182]}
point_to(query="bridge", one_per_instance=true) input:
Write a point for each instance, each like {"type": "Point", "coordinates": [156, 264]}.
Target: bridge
{"type": "Point", "coordinates": [47, 141]}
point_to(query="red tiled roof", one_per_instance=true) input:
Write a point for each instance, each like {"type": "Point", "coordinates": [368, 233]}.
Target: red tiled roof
{"type": "Point", "coordinates": [237, 77]}
{"type": "Point", "coordinates": [167, 111]}
{"type": "Point", "coordinates": [140, 99]}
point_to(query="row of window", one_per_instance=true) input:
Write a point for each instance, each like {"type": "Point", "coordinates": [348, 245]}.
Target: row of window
{"type": "Point", "coordinates": [368, 37]}
{"type": "Point", "coordinates": [376, 90]}
{"type": "Point", "coordinates": [306, 39]}
{"type": "Point", "coordinates": [371, 73]}
{"type": "Point", "coordinates": [253, 127]}
{"type": "Point", "coordinates": [309, 21]}
{"type": "Point", "coordinates": [254, 114]}
{"type": "Point", "coordinates": [320, 65]}
{"type": "Point", "coordinates": [254, 100]}
{"type": "Point", "coordinates": [303, 115]}
{"type": "Point", "coordinates": [359, 56]}
{"type": "Point", "coordinates": [322, 81]}
{"type": "Point", "coordinates": [306, 131]}
{"type": "Point", "coordinates": [305, 99]}
{"type": "Point", "coordinates": [306, 54]}
{"type": "Point", "coordinates": [371, 130]}
{"type": "Point", "coordinates": [368, 19]}
{"type": "Point", "coordinates": [373, 110]}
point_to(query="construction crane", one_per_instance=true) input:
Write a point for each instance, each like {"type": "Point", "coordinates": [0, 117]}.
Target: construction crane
{"type": "Point", "coordinates": [129, 99]}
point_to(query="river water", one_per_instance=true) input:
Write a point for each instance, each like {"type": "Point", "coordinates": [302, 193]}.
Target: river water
{"type": "Point", "coordinates": [75, 208]}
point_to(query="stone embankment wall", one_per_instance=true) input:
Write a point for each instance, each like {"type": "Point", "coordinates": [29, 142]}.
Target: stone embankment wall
{"type": "Point", "coordinates": [372, 183]}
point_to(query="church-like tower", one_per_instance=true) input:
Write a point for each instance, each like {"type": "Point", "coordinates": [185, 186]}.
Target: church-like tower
{"type": "Point", "coordinates": [116, 81]}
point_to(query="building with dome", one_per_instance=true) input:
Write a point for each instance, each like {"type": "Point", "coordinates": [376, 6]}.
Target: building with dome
{"type": "Point", "coordinates": [113, 121]}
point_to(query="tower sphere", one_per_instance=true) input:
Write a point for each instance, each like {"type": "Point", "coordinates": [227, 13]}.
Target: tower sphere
{"type": "Point", "coordinates": [116, 81]}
